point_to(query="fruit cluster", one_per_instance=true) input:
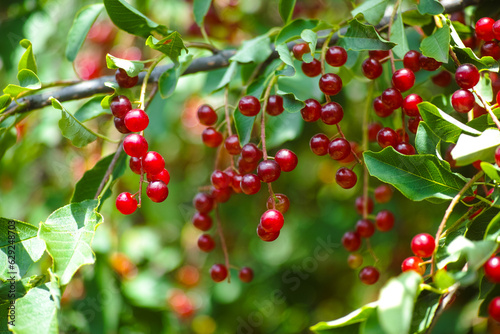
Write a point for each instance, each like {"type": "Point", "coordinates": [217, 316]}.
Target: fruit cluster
{"type": "Point", "coordinates": [422, 245]}
{"type": "Point", "coordinates": [492, 273]}
{"type": "Point", "coordinates": [488, 30]}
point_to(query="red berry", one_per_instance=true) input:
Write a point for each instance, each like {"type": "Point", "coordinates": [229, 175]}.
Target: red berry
{"type": "Point", "coordinates": [218, 272]}
{"type": "Point", "coordinates": [164, 176]}
{"type": "Point", "coordinates": [497, 156]}
{"type": "Point", "coordinates": [202, 221]}
{"type": "Point", "coordinates": [351, 241]}
{"type": "Point", "coordinates": [250, 184]}
{"type": "Point", "coordinates": [268, 171]}
{"type": "Point", "coordinates": [413, 124]}
{"type": "Point", "coordinates": [235, 180]}
{"type": "Point", "coordinates": [410, 105]}
{"type": "Point", "coordinates": [286, 159]}
{"type": "Point", "coordinates": [339, 149]}
{"type": "Point", "coordinates": [428, 64]}
{"type": "Point", "coordinates": [251, 153]}
{"type": "Point", "coordinates": [365, 228]}
{"type": "Point", "coordinates": [494, 309]}
{"type": "Point", "coordinates": [369, 275]}
{"type": "Point", "coordinates": [311, 111]}
{"type": "Point", "coordinates": [136, 120]}
{"type": "Point", "coordinates": [280, 201]}
{"type": "Point", "coordinates": [207, 115]}
{"type": "Point", "coordinates": [300, 49]}
{"type": "Point", "coordinates": [332, 113]}
{"type": "Point", "coordinates": [484, 29]}
{"type": "Point", "coordinates": [467, 76]}
{"type": "Point", "coordinates": [384, 221]}
{"type": "Point", "coordinates": [403, 79]}
{"type": "Point", "coordinates": [135, 145]}
{"type": "Point", "coordinates": [491, 49]}
{"type": "Point", "coordinates": [124, 80]}
{"type": "Point", "coordinates": [442, 79]}
{"type": "Point", "coordinates": [392, 98]}
{"type": "Point", "coordinates": [378, 54]}
{"type": "Point", "coordinates": [350, 157]}
{"type": "Point", "coordinates": [330, 84]}
{"type": "Point", "coordinates": [249, 105]}
{"type": "Point", "coordinates": [272, 221]}
{"type": "Point", "coordinates": [211, 137]}
{"type": "Point", "coordinates": [381, 109]}
{"type": "Point", "coordinates": [221, 195]}
{"type": "Point", "coordinates": [125, 203]}
{"type": "Point", "coordinates": [423, 245]}
{"type": "Point", "coordinates": [206, 243]}
{"type": "Point", "coordinates": [346, 178]}
{"type": "Point", "coordinates": [387, 137]}
{"type": "Point", "coordinates": [153, 163]}
{"type": "Point", "coordinates": [232, 145]}
{"type": "Point", "coordinates": [135, 165]}
{"type": "Point", "coordinates": [371, 68]}
{"type": "Point", "coordinates": [413, 263]}
{"type": "Point", "coordinates": [492, 269]}
{"type": "Point", "coordinates": [354, 261]}
{"type": "Point", "coordinates": [373, 129]}
{"type": "Point", "coordinates": [245, 275]}
{"type": "Point", "coordinates": [274, 105]}
{"type": "Point", "coordinates": [383, 193]}
{"type": "Point", "coordinates": [157, 191]}
{"type": "Point", "coordinates": [336, 56]}
{"type": "Point", "coordinates": [405, 148]}
{"type": "Point", "coordinates": [203, 202]}
{"type": "Point", "coordinates": [411, 60]}
{"type": "Point", "coordinates": [220, 179]}
{"type": "Point", "coordinates": [245, 167]}
{"type": "Point", "coordinates": [267, 236]}
{"type": "Point", "coordinates": [120, 125]}
{"type": "Point", "coordinates": [496, 29]}
{"type": "Point", "coordinates": [462, 101]}
{"type": "Point", "coordinates": [319, 144]}
{"type": "Point", "coordinates": [120, 105]}
{"type": "Point", "coordinates": [360, 205]}
{"type": "Point", "coordinates": [312, 69]}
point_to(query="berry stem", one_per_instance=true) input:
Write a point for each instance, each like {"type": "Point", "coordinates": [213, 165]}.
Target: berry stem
{"type": "Point", "coordinates": [146, 79]}
{"type": "Point", "coordinates": [111, 166]}
{"type": "Point", "coordinates": [391, 21]}
{"type": "Point", "coordinates": [263, 114]}
{"type": "Point", "coordinates": [324, 48]}
{"type": "Point", "coordinates": [226, 110]}
{"type": "Point", "coordinates": [364, 147]}
{"type": "Point", "coordinates": [370, 250]}
{"type": "Point", "coordinates": [223, 243]}
{"type": "Point", "coordinates": [488, 108]}
{"type": "Point", "coordinates": [200, 45]}
{"type": "Point", "coordinates": [271, 192]}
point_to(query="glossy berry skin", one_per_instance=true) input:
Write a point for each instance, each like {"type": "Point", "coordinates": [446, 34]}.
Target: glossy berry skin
{"type": "Point", "coordinates": [245, 167]}
{"type": "Point", "coordinates": [300, 49]}
{"type": "Point", "coordinates": [403, 79]}
{"type": "Point", "coordinates": [354, 261]}
{"type": "Point", "coordinates": [124, 80]}
{"type": "Point", "coordinates": [392, 98]}
{"type": "Point", "coordinates": [413, 124]}
{"type": "Point", "coordinates": [136, 120]}
{"type": "Point", "coordinates": [221, 195]}
{"type": "Point", "coordinates": [378, 54]}
{"type": "Point", "coordinates": [202, 221]}
{"type": "Point", "coordinates": [339, 149]}
{"type": "Point", "coordinates": [351, 241]}
{"type": "Point", "coordinates": [164, 176]}
{"type": "Point", "coordinates": [346, 178]}
{"type": "Point", "coordinates": [272, 221]}
{"type": "Point", "coordinates": [496, 30]}
{"type": "Point", "coordinates": [491, 49]}
{"type": "Point", "coordinates": [311, 111]}
{"type": "Point", "coordinates": [381, 109]}
{"type": "Point", "coordinates": [336, 56]}
{"type": "Point", "coordinates": [218, 272]}
{"type": "Point", "coordinates": [319, 144]}
{"type": "Point", "coordinates": [203, 202]}
{"type": "Point", "coordinates": [125, 203]}
{"type": "Point", "coordinates": [268, 171]}
{"type": "Point", "coordinates": [120, 105]}
{"type": "Point", "coordinates": [497, 156]}
{"type": "Point", "coordinates": [462, 101]}
{"type": "Point", "coordinates": [235, 180]}
{"type": "Point", "coordinates": [410, 103]}
{"type": "Point", "coordinates": [373, 129]}
{"type": "Point", "coordinates": [383, 193]}
{"type": "Point", "coordinates": [135, 145]}
{"type": "Point", "coordinates": [135, 165]}
{"type": "Point", "coordinates": [411, 60]}
{"type": "Point", "coordinates": [330, 84]}
{"type": "Point", "coordinates": [206, 243]}
{"type": "Point", "coordinates": [360, 205]}
{"type": "Point", "coordinates": [211, 137]}
{"type": "Point", "coordinates": [251, 153]}
{"type": "Point", "coordinates": [281, 203]}
{"type": "Point", "coordinates": [467, 76]}
{"type": "Point", "coordinates": [365, 228]}
{"type": "Point", "coordinates": [484, 29]}
{"type": "Point", "coordinates": [423, 245]}
{"type": "Point", "coordinates": [274, 105]}
{"type": "Point", "coordinates": [120, 125]}
{"type": "Point", "coordinates": [232, 145]}
{"type": "Point", "coordinates": [494, 309]}
{"type": "Point", "coordinates": [492, 269]}
{"type": "Point", "coordinates": [249, 105]}
{"type": "Point", "coordinates": [384, 221]}
{"type": "Point", "coordinates": [371, 68]}
{"type": "Point", "coordinates": [220, 179]}
{"type": "Point", "coordinates": [387, 137]}
{"type": "Point", "coordinates": [157, 191]}
{"type": "Point", "coordinates": [332, 113]}
{"type": "Point", "coordinates": [286, 159]}
{"type": "Point", "coordinates": [153, 163]}
{"type": "Point", "coordinates": [369, 275]}
{"type": "Point", "coordinates": [250, 184]}
{"type": "Point", "coordinates": [405, 148]}
{"type": "Point", "coordinates": [442, 79]}
{"type": "Point", "coordinates": [413, 263]}
{"type": "Point", "coordinates": [267, 236]}
{"type": "Point", "coordinates": [312, 69]}
{"type": "Point", "coordinates": [428, 64]}
{"type": "Point", "coordinates": [206, 115]}
{"type": "Point", "coordinates": [246, 275]}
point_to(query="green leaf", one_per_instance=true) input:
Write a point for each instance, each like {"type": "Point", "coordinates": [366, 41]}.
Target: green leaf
{"type": "Point", "coordinates": [372, 10]}
{"type": "Point", "coordinates": [426, 141]}
{"type": "Point", "coordinates": [200, 9]}
{"type": "Point", "coordinates": [418, 177]}
{"type": "Point", "coordinates": [28, 79]}
{"type": "Point", "coordinates": [398, 36]}
{"type": "Point", "coordinates": [437, 45]}
{"type": "Point", "coordinates": [291, 103]}
{"type": "Point", "coordinates": [484, 89]}
{"type": "Point", "coordinates": [68, 234]}
{"type": "Point", "coordinates": [443, 125]}
{"type": "Point", "coordinates": [5, 100]}
{"type": "Point", "coordinates": [432, 7]}
{"type": "Point", "coordinates": [21, 288]}
{"type": "Point", "coordinates": [395, 305]}
{"type": "Point", "coordinates": [414, 18]}
{"type": "Point", "coordinates": [244, 126]}
{"type": "Point", "coordinates": [285, 56]}
{"type": "Point", "coordinates": [466, 55]}
{"type": "Point", "coordinates": [7, 140]}
{"type": "Point", "coordinates": [284, 127]}
{"type": "Point", "coordinates": [129, 19]}
{"type": "Point", "coordinates": [27, 60]}
{"type": "Point", "coordinates": [72, 128]}
{"type": "Point", "coordinates": [443, 279]}
{"type": "Point", "coordinates": [168, 79]}
{"type": "Point", "coordinates": [491, 171]}
{"type": "Point", "coordinates": [255, 50]}
{"type": "Point", "coordinates": [360, 37]}
{"type": "Point", "coordinates": [294, 28]}
{"type": "Point", "coordinates": [311, 38]}
{"type": "Point", "coordinates": [471, 148]}
{"type": "Point", "coordinates": [87, 187]}
{"type": "Point", "coordinates": [91, 109]}
{"type": "Point", "coordinates": [228, 75]}
{"type": "Point", "coordinates": [424, 311]}
{"type": "Point", "coordinates": [172, 45]}
{"type": "Point", "coordinates": [493, 229]}
{"type": "Point", "coordinates": [483, 308]}
{"type": "Point", "coordinates": [132, 67]}
{"type": "Point", "coordinates": [477, 252]}
{"type": "Point", "coordinates": [360, 315]}
{"type": "Point", "coordinates": [286, 9]}
{"type": "Point", "coordinates": [82, 23]}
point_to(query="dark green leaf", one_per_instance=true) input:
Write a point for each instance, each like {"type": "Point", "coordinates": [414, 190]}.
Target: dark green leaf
{"type": "Point", "coordinates": [91, 109]}
{"type": "Point", "coordinates": [132, 67]}
{"type": "Point", "coordinates": [418, 177]}
{"type": "Point", "coordinates": [84, 19]}
{"type": "Point", "coordinates": [5, 100]}
{"type": "Point", "coordinates": [361, 37]}
{"type": "Point", "coordinates": [286, 9]}
{"type": "Point", "coordinates": [285, 56]}
{"type": "Point", "coordinates": [372, 10]}
{"type": "Point", "coordinates": [281, 128]}
{"type": "Point", "coordinates": [228, 75]}
{"type": "Point", "coordinates": [471, 148]}
{"type": "Point", "coordinates": [27, 60]}
{"type": "Point", "coordinates": [293, 29]}
{"type": "Point", "coordinates": [291, 103]}
{"type": "Point", "coordinates": [483, 308]}
{"type": "Point", "coordinates": [424, 311]}
{"type": "Point", "coordinates": [360, 315]}
{"type": "Point", "coordinates": [483, 64]}
{"type": "Point", "coordinates": [200, 9]}
{"type": "Point", "coordinates": [398, 36]}
{"type": "Point", "coordinates": [426, 141]}
{"type": "Point", "coordinates": [254, 50]}
{"type": "Point", "coordinates": [7, 140]}
{"type": "Point", "coordinates": [414, 18]}
{"type": "Point", "coordinates": [432, 7]}
{"type": "Point", "coordinates": [477, 252]}
{"type": "Point", "coordinates": [437, 45]}
{"type": "Point", "coordinates": [172, 45]}
{"type": "Point", "coordinates": [244, 126]}
{"type": "Point", "coordinates": [73, 129]}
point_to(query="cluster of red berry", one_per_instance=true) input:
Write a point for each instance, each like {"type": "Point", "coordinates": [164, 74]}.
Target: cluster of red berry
{"type": "Point", "coordinates": [492, 273]}
{"type": "Point", "coordinates": [488, 31]}
{"type": "Point", "coordinates": [422, 245]}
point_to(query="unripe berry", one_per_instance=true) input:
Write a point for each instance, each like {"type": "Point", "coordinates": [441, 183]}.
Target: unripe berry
{"type": "Point", "coordinates": [354, 261]}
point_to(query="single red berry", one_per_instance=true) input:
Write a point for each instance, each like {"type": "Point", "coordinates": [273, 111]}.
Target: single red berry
{"type": "Point", "coordinates": [354, 261]}
{"type": "Point", "coordinates": [411, 60]}
{"type": "Point", "coordinates": [491, 49]}
{"type": "Point", "coordinates": [220, 179]}
{"type": "Point", "coordinates": [405, 148]}
{"type": "Point", "coordinates": [272, 221]}
{"type": "Point", "coordinates": [312, 69]}
{"type": "Point", "coordinates": [280, 201]}
{"type": "Point", "coordinates": [164, 176]}
{"type": "Point", "coordinates": [135, 145]}
{"type": "Point", "coordinates": [403, 79]}
{"type": "Point", "coordinates": [498, 97]}
{"type": "Point", "coordinates": [120, 105]}
{"type": "Point", "coordinates": [250, 184]}
{"type": "Point", "coordinates": [336, 56]}
{"type": "Point", "coordinates": [202, 221]}
{"type": "Point", "coordinates": [497, 156]}
{"type": "Point", "coordinates": [346, 178]}
{"type": "Point", "coordinates": [383, 193]}
{"type": "Point", "coordinates": [365, 228]}
{"type": "Point", "coordinates": [249, 105]}
{"type": "Point", "coordinates": [378, 54]}
{"type": "Point", "coordinates": [246, 275]}
{"type": "Point", "coordinates": [381, 109]}
{"type": "Point", "coordinates": [120, 125]}
{"type": "Point", "coordinates": [423, 245]}
{"type": "Point", "coordinates": [221, 195]}
{"type": "Point", "coordinates": [442, 79]}
{"type": "Point", "coordinates": [235, 178]}
{"type": "Point", "coordinates": [211, 137]}
{"type": "Point", "coordinates": [319, 144]}
{"type": "Point", "coordinates": [125, 203]}
{"type": "Point", "coordinates": [339, 149]}
{"type": "Point", "coordinates": [136, 120]}
{"type": "Point", "coordinates": [410, 103]}
{"type": "Point", "coordinates": [494, 309]}
{"type": "Point", "coordinates": [267, 236]}
{"type": "Point", "coordinates": [203, 202]}
{"type": "Point", "coordinates": [387, 137]}
{"type": "Point", "coordinates": [274, 105]}
{"type": "Point", "coordinates": [360, 205]}
{"type": "Point", "coordinates": [492, 269]}
{"type": "Point", "coordinates": [124, 80]}
{"type": "Point", "coordinates": [484, 29]}
{"type": "Point", "coordinates": [251, 153]}
{"type": "Point", "coordinates": [392, 98]}
{"type": "Point", "coordinates": [384, 221]}
{"type": "Point", "coordinates": [153, 163]}
{"type": "Point", "coordinates": [218, 272]}
{"type": "Point", "coordinates": [332, 113]}
{"type": "Point", "coordinates": [268, 171]}
{"type": "Point", "coordinates": [207, 115]}
{"type": "Point", "coordinates": [496, 29]}
{"type": "Point", "coordinates": [157, 191]}
{"type": "Point", "coordinates": [373, 129]}
{"type": "Point", "coordinates": [369, 275]}
{"type": "Point", "coordinates": [462, 101]}
{"type": "Point", "coordinates": [413, 124]}
{"type": "Point", "coordinates": [428, 64]}
{"type": "Point", "coordinates": [300, 49]}
{"type": "Point", "coordinates": [467, 76]}
{"type": "Point", "coordinates": [311, 111]}
{"type": "Point", "coordinates": [413, 263]}
{"type": "Point", "coordinates": [135, 165]}
{"type": "Point", "coordinates": [330, 84]}
{"type": "Point", "coordinates": [286, 159]}
{"type": "Point", "coordinates": [351, 241]}
{"type": "Point", "coordinates": [350, 158]}
{"type": "Point", "coordinates": [245, 167]}
{"type": "Point", "coordinates": [371, 68]}
{"type": "Point", "coordinates": [232, 145]}
{"type": "Point", "coordinates": [206, 243]}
